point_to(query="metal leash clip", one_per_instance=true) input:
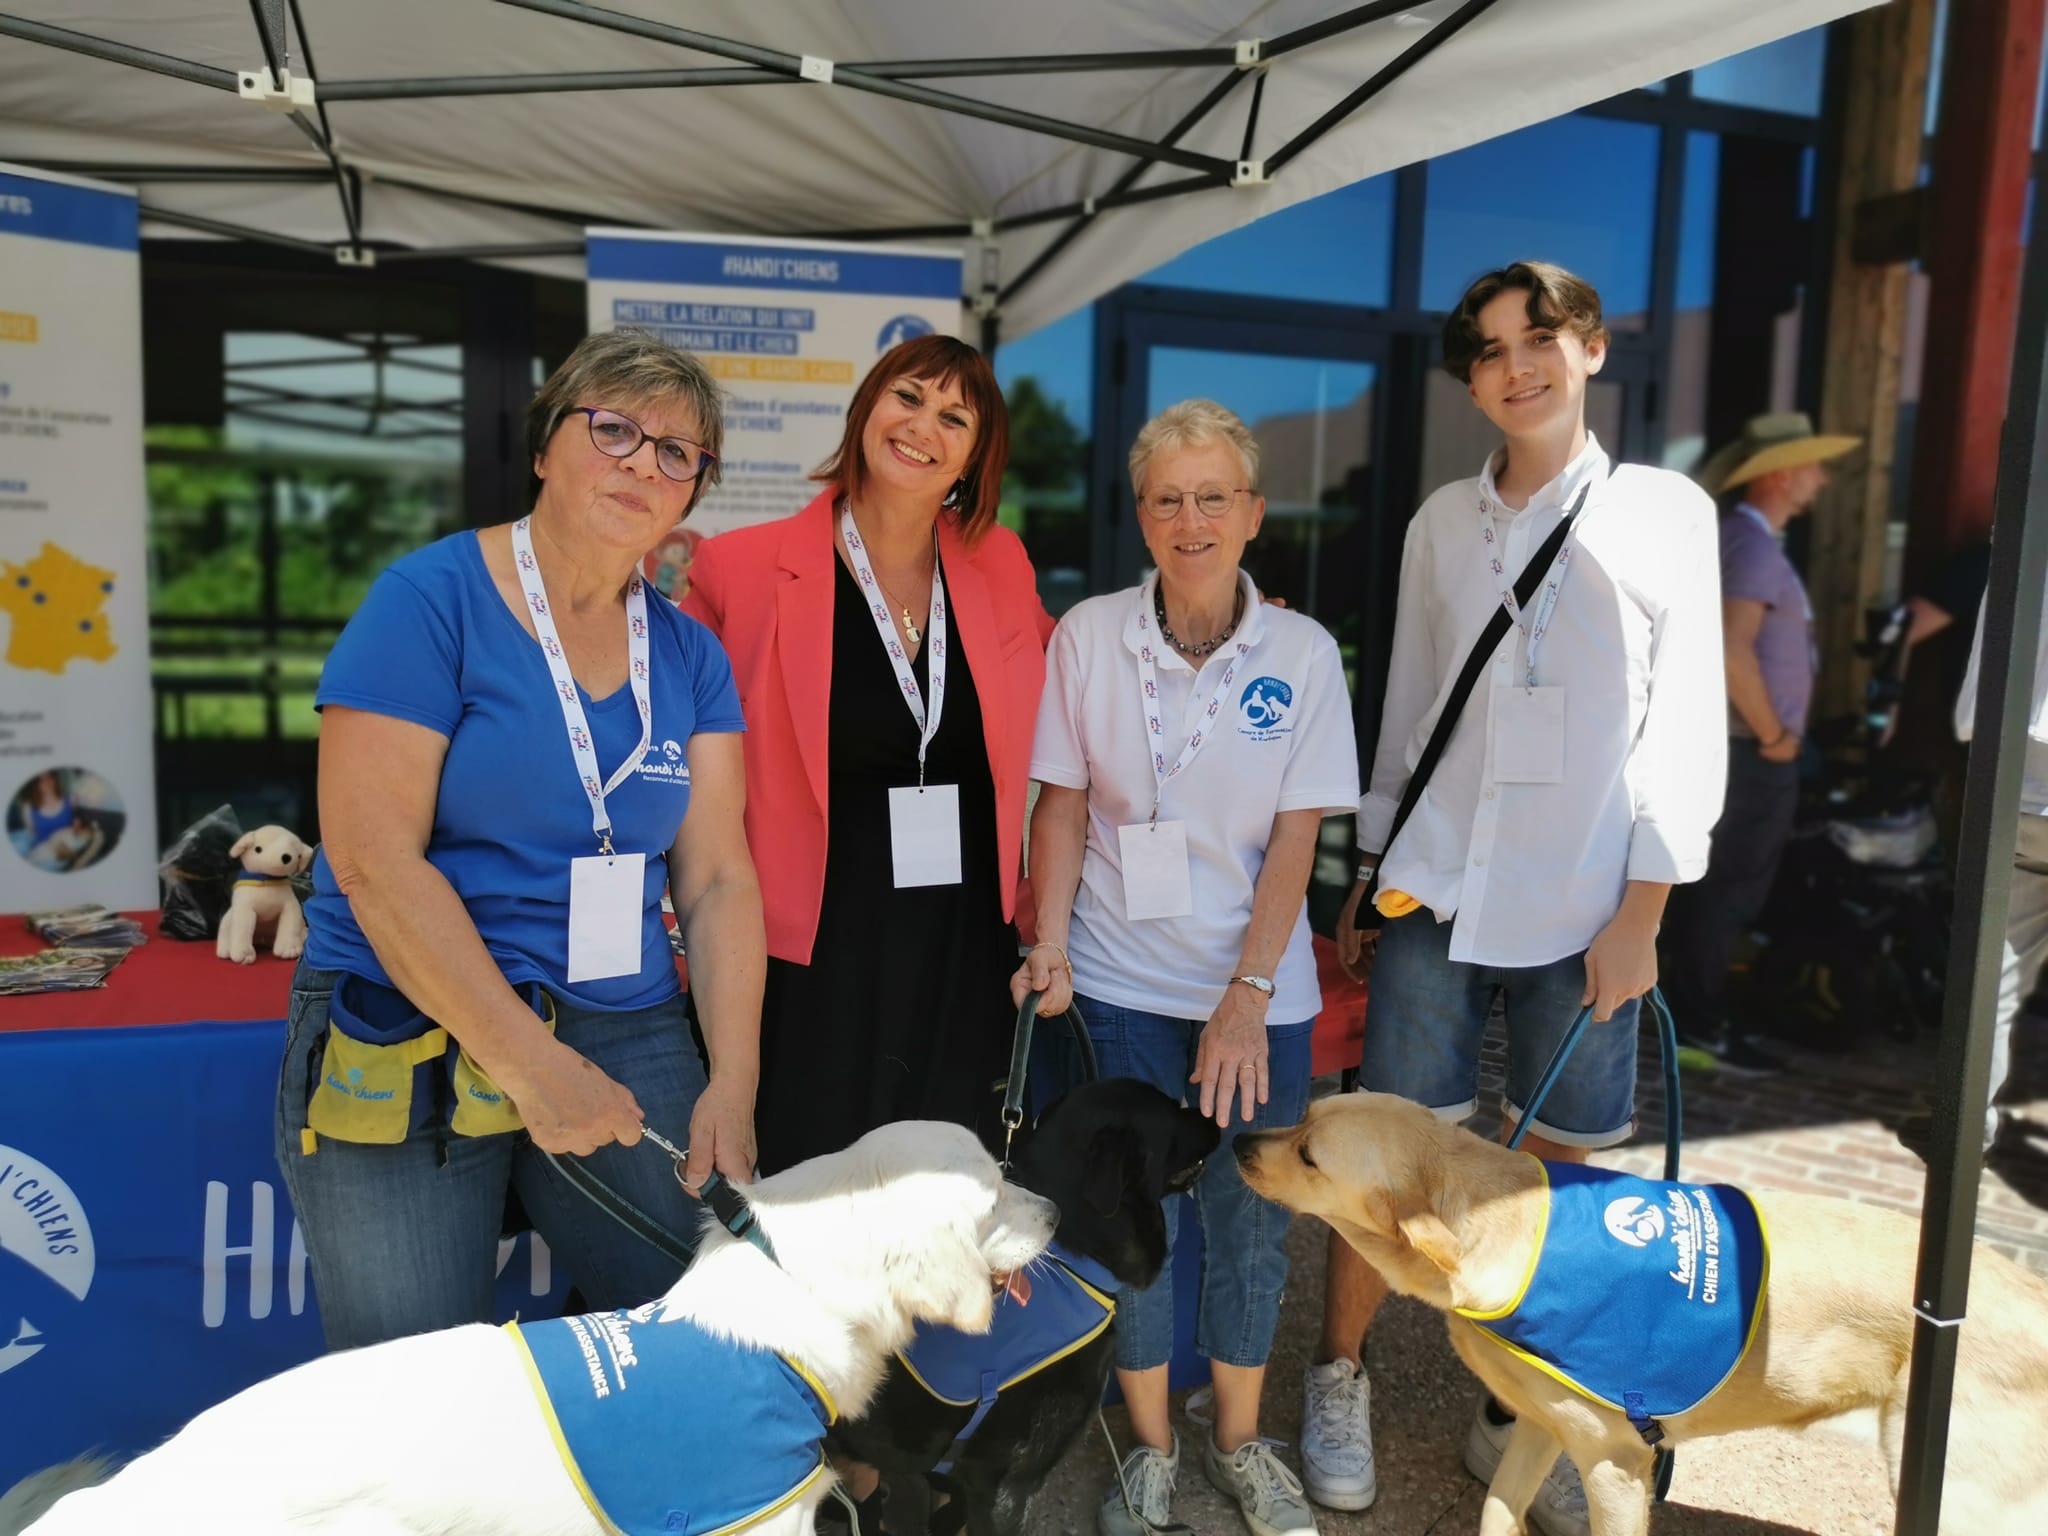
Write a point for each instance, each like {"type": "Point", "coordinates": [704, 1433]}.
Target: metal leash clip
{"type": "Point", "coordinates": [678, 1155]}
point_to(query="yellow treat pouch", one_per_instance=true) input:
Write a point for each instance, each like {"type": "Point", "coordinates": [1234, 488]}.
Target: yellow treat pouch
{"type": "Point", "coordinates": [482, 1108]}
{"type": "Point", "coordinates": [371, 1088]}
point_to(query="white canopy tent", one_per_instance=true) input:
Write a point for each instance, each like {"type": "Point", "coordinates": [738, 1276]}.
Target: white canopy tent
{"type": "Point", "coordinates": [1080, 144]}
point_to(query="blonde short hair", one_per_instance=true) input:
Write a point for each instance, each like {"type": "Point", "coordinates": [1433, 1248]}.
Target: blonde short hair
{"type": "Point", "coordinates": [626, 368]}
{"type": "Point", "coordinates": [1192, 424]}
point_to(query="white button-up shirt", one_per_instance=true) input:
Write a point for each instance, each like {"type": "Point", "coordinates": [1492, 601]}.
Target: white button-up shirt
{"type": "Point", "coordinates": [1530, 873]}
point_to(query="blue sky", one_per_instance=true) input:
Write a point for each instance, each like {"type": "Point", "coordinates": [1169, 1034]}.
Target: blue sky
{"type": "Point", "coordinates": [1525, 194]}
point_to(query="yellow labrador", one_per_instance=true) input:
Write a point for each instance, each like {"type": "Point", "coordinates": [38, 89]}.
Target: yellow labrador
{"type": "Point", "coordinates": [1458, 1221]}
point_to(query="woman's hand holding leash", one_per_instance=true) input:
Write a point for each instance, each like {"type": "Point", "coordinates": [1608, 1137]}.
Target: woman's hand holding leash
{"type": "Point", "coordinates": [570, 1105]}
{"type": "Point", "coordinates": [1230, 1062]}
{"type": "Point", "coordinates": [1045, 969]}
{"type": "Point", "coordinates": [721, 1134]}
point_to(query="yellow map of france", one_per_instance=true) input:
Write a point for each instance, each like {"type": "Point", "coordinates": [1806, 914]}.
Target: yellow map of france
{"type": "Point", "coordinates": [58, 605]}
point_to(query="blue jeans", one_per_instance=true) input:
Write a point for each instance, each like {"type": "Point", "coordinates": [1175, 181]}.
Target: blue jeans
{"type": "Point", "coordinates": [1244, 1249]}
{"type": "Point", "coordinates": [1427, 1015]}
{"type": "Point", "coordinates": [403, 1242]}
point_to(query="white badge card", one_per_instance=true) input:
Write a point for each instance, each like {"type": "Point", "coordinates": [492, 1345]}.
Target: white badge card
{"type": "Point", "coordinates": [606, 893]}
{"type": "Point", "coordinates": [1155, 858]}
{"type": "Point", "coordinates": [924, 834]}
{"type": "Point", "coordinates": [1528, 735]}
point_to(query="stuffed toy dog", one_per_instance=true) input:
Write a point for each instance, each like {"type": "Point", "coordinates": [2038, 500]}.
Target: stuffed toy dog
{"type": "Point", "coordinates": [264, 905]}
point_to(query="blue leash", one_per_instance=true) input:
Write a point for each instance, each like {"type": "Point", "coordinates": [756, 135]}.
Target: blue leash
{"type": "Point", "coordinates": [1667, 1046]}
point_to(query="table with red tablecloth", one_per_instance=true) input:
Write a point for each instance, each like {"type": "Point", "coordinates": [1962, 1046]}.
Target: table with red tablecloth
{"type": "Point", "coordinates": [149, 1261]}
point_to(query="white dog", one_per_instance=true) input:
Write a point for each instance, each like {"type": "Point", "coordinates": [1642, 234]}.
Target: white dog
{"type": "Point", "coordinates": [264, 903]}
{"type": "Point", "coordinates": [445, 1432]}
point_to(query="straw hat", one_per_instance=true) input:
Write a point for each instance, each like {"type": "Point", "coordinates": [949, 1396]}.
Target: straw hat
{"type": "Point", "coordinates": [1776, 440]}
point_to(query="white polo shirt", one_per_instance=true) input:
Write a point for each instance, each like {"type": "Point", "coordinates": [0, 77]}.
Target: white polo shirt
{"type": "Point", "coordinates": [1257, 761]}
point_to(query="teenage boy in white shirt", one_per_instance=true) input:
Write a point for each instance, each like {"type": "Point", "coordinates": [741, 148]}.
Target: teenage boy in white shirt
{"type": "Point", "coordinates": [1580, 784]}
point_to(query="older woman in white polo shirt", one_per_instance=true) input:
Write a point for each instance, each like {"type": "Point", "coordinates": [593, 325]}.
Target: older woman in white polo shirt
{"type": "Point", "coordinates": [1190, 741]}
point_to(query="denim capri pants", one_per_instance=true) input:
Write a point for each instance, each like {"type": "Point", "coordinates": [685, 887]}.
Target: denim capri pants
{"type": "Point", "coordinates": [1244, 1252]}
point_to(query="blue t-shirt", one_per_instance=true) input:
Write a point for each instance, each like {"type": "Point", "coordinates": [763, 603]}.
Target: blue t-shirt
{"type": "Point", "coordinates": [434, 643]}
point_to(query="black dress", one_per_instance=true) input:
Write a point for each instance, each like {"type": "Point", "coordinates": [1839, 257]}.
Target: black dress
{"type": "Point", "coordinates": [904, 1011]}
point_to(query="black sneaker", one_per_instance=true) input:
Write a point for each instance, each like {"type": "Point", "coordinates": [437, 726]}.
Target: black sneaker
{"type": "Point", "coordinates": [1727, 1051]}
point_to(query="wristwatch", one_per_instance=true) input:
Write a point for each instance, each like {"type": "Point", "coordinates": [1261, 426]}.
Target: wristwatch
{"type": "Point", "coordinates": [1257, 983]}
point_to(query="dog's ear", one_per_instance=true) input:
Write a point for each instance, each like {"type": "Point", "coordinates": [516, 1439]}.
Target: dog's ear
{"type": "Point", "coordinates": [1116, 1161]}
{"type": "Point", "coordinates": [1428, 1235]}
{"type": "Point", "coordinates": [242, 845]}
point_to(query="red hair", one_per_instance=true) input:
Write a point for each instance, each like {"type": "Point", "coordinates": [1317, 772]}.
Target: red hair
{"type": "Point", "coordinates": [934, 360]}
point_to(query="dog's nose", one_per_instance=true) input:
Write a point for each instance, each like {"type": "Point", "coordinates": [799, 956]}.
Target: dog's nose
{"type": "Point", "coordinates": [1246, 1147]}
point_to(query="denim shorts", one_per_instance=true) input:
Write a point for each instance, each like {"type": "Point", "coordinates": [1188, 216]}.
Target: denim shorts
{"type": "Point", "coordinates": [1427, 1014]}
{"type": "Point", "coordinates": [1244, 1236]}
{"type": "Point", "coordinates": [403, 1239]}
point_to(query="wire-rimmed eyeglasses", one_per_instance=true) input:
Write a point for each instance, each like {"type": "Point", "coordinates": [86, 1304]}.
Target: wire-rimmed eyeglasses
{"type": "Point", "coordinates": [1212, 499]}
{"type": "Point", "coordinates": [619, 436]}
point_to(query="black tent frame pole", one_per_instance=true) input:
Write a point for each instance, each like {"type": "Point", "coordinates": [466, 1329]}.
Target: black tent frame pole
{"type": "Point", "coordinates": [1394, 68]}
{"type": "Point", "coordinates": [852, 78]}
{"type": "Point", "coordinates": [120, 53]}
{"type": "Point", "coordinates": [2012, 629]}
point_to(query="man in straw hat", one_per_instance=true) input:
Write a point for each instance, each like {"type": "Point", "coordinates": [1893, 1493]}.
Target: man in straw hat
{"type": "Point", "coordinates": [1774, 470]}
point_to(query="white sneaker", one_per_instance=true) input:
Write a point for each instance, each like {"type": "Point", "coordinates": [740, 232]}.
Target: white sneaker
{"type": "Point", "coordinates": [1559, 1508]}
{"type": "Point", "coordinates": [1269, 1495]}
{"type": "Point", "coordinates": [1336, 1436]}
{"type": "Point", "coordinates": [1140, 1501]}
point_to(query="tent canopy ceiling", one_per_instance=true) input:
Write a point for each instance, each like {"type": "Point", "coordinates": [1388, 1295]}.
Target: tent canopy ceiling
{"type": "Point", "coordinates": [720, 134]}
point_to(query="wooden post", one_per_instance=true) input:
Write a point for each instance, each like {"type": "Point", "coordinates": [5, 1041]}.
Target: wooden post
{"type": "Point", "coordinates": [1866, 330]}
{"type": "Point", "coordinates": [1983, 153]}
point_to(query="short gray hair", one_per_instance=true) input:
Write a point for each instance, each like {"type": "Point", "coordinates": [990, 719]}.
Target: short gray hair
{"type": "Point", "coordinates": [1191, 424]}
{"type": "Point", "coordinates": [631, 367]}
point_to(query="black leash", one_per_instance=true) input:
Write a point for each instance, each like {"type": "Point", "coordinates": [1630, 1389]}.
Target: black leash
{"type": "Point", "coordinates": [1667, 1048]}
{"type": "Point", "coordinates": [725, 1199]}
{"type": "Point", "coordinates": [1020, 1062]}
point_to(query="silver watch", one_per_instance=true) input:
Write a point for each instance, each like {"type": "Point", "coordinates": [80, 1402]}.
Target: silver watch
{"type": "Point", "coordinates": [1257, 983]}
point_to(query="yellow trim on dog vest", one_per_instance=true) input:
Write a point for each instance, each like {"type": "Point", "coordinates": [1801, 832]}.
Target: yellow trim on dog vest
{"type": "Point", "coordinates": [1641, 1295]}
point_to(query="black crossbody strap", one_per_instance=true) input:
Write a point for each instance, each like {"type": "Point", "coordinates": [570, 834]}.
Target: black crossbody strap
{"type": "Point", "coordinates": [1461, 691]}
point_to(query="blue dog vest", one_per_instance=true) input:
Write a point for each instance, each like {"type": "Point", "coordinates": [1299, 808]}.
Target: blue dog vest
{"type": "Point", "coordinates": [632, 1399]}
{"type": "Point", "coordinates": [1643, 1295]}
{"type": "Point", "coordinates": [1072, 1300]}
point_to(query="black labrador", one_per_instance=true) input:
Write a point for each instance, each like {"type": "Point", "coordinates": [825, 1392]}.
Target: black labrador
{"type": "Point", "coordinates": [1107, 1153]}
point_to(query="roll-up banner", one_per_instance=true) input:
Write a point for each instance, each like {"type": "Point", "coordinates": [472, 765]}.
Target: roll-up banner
{"type": "Point", "coordinates": [789, 327]}
{"type": "Point", "coordinates": [76, 749]}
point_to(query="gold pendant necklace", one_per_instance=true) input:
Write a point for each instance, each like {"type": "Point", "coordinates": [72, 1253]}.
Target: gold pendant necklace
{"type": "Point", "coordinates": [910, 629]}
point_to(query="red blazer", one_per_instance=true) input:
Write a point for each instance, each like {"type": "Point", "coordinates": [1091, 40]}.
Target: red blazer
{"type": "Point", "coordinates": [767, 593]}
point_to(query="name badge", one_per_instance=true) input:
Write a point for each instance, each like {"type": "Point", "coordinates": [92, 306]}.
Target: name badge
{"type": "Point", "coordinates": [1155, 858]}
{"type": "Point", "coordinates": [1528, 735]}
{"type": "Point", "coordinates": [605, 896]}
{"type": "Point", "coordinates": [924, 834]}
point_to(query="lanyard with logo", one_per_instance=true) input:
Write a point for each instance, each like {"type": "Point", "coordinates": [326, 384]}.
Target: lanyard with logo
{"type": "Point", "coordinates": [924, 819]}
{"type": "Point", "coordinates": [606, 892]}
{"type": "Point", "coordinates": [1157, 880]}
{"type": "Point", "coordinates": [1526, 725]}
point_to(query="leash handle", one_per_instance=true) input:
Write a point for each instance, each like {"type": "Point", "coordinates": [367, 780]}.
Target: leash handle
{"type": "Point", "coordinates": [1667, 1047]}
{"type": "Point", "coordinates": [1020, 1061]}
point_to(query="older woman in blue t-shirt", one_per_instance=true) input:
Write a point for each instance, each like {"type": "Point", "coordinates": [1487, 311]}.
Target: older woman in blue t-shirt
{"type": "Point", "coordinates": [512, 732]}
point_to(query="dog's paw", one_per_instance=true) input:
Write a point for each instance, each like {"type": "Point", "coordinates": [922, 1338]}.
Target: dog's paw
{"type": "Point", "coordinates": [246, 956]}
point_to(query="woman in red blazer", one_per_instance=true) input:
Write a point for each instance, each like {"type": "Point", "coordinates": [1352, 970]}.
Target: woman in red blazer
{"type": "Point", "coordinates": [887, 636]}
